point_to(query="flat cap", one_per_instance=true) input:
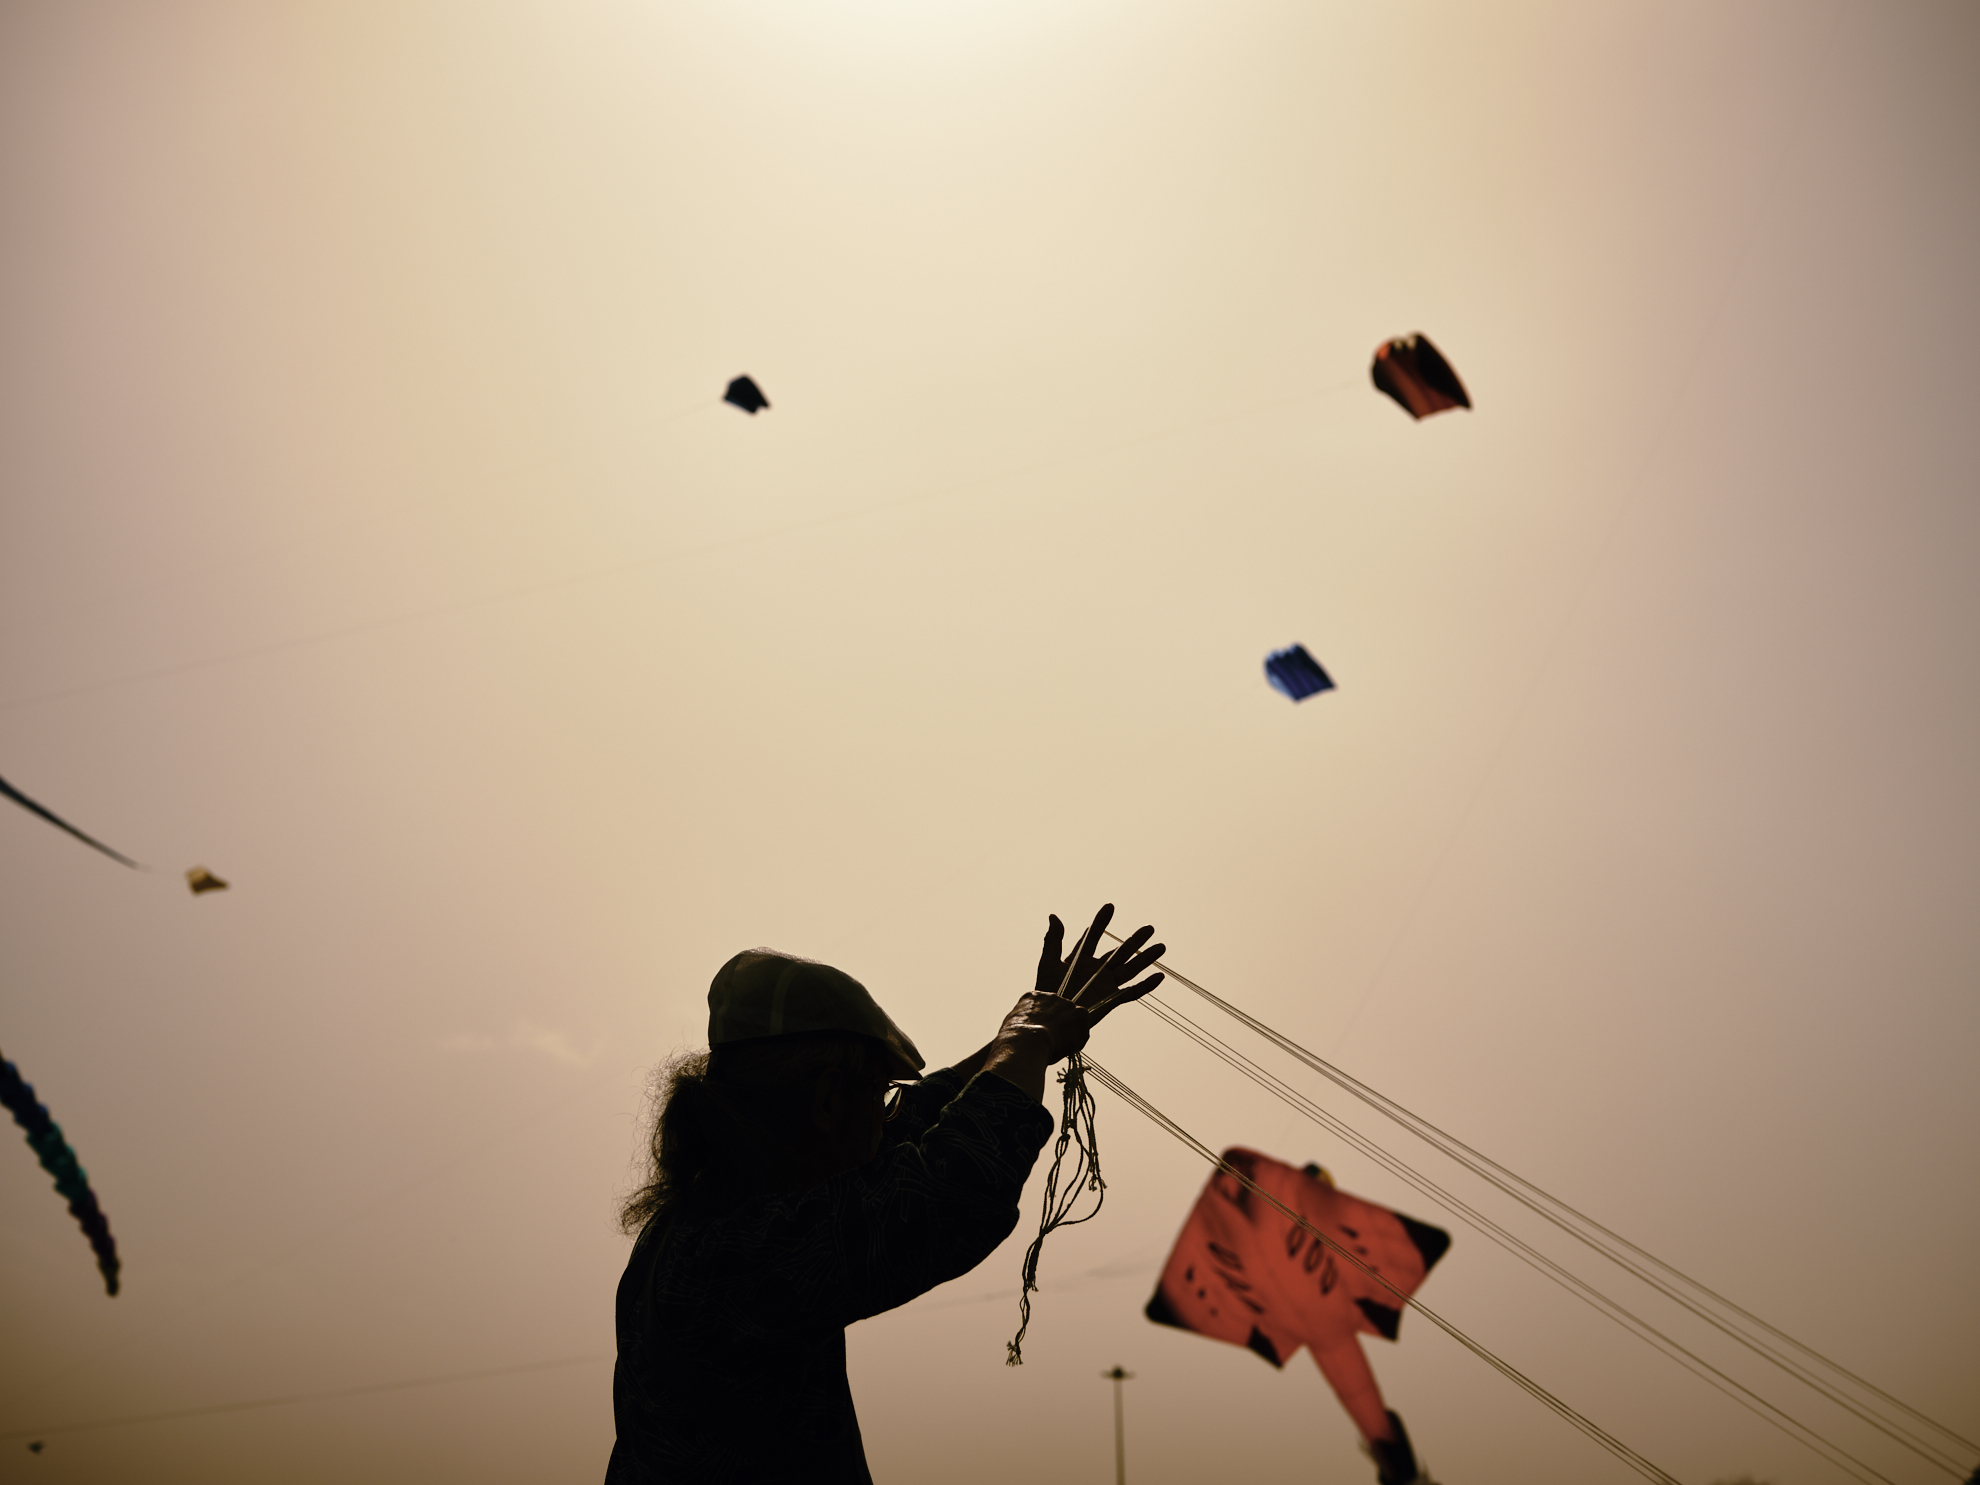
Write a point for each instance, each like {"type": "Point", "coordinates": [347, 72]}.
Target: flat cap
{"type": "Point", "coordinates": [762, 993]}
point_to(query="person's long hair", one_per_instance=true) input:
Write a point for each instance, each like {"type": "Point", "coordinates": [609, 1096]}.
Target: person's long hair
{"type": "Point", "coordinates": [735, 1121]}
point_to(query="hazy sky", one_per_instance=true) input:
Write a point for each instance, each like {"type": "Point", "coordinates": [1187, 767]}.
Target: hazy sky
{"type": "Point", "coordinates": [371, 535]}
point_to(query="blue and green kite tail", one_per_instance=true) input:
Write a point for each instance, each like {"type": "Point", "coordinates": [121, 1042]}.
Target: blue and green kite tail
{"type": "Point", "coordinates": [44, 1135]}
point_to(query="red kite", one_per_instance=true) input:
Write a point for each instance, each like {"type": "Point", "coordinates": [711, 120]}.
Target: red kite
{"type": "Point", "coordinates": [1243, 1272]}
{"type": "Point", "coordinates": [1414, 372]}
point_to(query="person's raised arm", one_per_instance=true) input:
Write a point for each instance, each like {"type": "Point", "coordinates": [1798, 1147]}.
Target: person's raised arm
{"type": "Point", "coordinates": [934, 1205]}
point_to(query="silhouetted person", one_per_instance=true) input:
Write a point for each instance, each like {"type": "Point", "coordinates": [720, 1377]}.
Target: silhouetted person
{"type": "Point", "coordinates": [800, 1182]}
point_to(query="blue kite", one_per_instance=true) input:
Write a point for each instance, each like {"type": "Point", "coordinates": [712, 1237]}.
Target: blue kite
{"type": "Point", "coordinates": [1296, 674]}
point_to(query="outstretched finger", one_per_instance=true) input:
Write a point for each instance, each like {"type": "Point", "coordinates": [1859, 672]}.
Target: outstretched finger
{"type": "Point", "coordinates": [1089, 941]}
{"type": "Point", "coordinates": [1128, 953]}
{"type": "Point", "coordinates": [1130, 967]}
{"type": "Point", "coordinates": [1128, 993]}
{"type": "Point", "coordinates": [1050, 967]}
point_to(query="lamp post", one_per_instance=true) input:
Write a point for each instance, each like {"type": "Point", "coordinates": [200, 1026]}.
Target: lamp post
{"type": "Point", "coordinates": [1117, 1376]}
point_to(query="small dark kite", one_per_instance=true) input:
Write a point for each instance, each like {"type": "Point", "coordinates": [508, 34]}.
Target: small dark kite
{"type": "Point", "coordinates": [745, 394]}
{"type": "Point", "coordinates": [1415, 373]}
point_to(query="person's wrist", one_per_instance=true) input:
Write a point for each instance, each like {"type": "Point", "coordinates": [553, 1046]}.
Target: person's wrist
{"type": "Point", "coordinates": [1025, 1045]}
{"type": "Point", "coordinates": [1020, 1062]}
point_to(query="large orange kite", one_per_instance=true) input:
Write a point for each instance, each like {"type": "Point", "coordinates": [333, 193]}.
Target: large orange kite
{"type": "Point", "coordinates": [1244, 1272]}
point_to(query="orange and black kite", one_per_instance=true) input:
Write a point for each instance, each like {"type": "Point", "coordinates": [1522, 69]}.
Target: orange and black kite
{"type": "Point", "coordinates": [1244, 1272]}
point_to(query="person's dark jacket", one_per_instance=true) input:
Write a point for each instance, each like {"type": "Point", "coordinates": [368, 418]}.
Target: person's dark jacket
{"type": "Point", "coordinates": [732, 1346]}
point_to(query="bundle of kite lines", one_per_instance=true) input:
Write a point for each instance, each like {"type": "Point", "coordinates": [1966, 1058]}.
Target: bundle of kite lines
{"type": "Point", "coordinates": [1907, 1427]}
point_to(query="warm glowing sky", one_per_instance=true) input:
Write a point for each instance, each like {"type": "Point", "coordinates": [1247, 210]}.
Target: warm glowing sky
{"type": "Point", "coordinates": [370, 535]}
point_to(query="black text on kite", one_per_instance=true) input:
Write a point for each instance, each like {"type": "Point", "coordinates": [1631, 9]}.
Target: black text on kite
{"type": "Point", "coordinates": [60, 824]}
{"type": "Point", "coordinates": [745, 394]}
{"type": "Point", "coordinates": [1243, 1272]}
{"type": "Point", "coordinates": [1295, 673]}
{"type": "Point", "coordinates": [44, 1136]}
{"type": "Point", "coordinates": [1414, 372]}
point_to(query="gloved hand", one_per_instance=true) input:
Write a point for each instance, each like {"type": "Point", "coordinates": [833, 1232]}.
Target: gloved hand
{"type": "Point", "coordinates": [1044, 1026]}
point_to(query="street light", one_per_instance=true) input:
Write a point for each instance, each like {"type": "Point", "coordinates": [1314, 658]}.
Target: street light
{"type": "Point", "coordinates": [1117, 1376]}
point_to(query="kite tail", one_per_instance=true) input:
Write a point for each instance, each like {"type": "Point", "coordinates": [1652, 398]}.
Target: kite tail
{"type": "Point", "coordinates": [44, 1137]}
{"type": "Point", "coordinates": [61, 824]}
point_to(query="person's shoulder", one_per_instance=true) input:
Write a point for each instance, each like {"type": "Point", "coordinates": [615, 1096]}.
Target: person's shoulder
{"type": "Point", "coordinates": [683, 1235]}
{"type": "Point", "coordinates": [686, 1255]}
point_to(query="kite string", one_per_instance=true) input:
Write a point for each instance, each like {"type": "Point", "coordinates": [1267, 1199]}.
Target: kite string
{"type": "Point", "coordinates": [1569, 1219]}
{"type": "Point", "coordinates": [1075, 1127]}
{"type": "Point", "coordinates": [1075, 1131]}
{"type": "Point", "coordinates": [1586, 1425]}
